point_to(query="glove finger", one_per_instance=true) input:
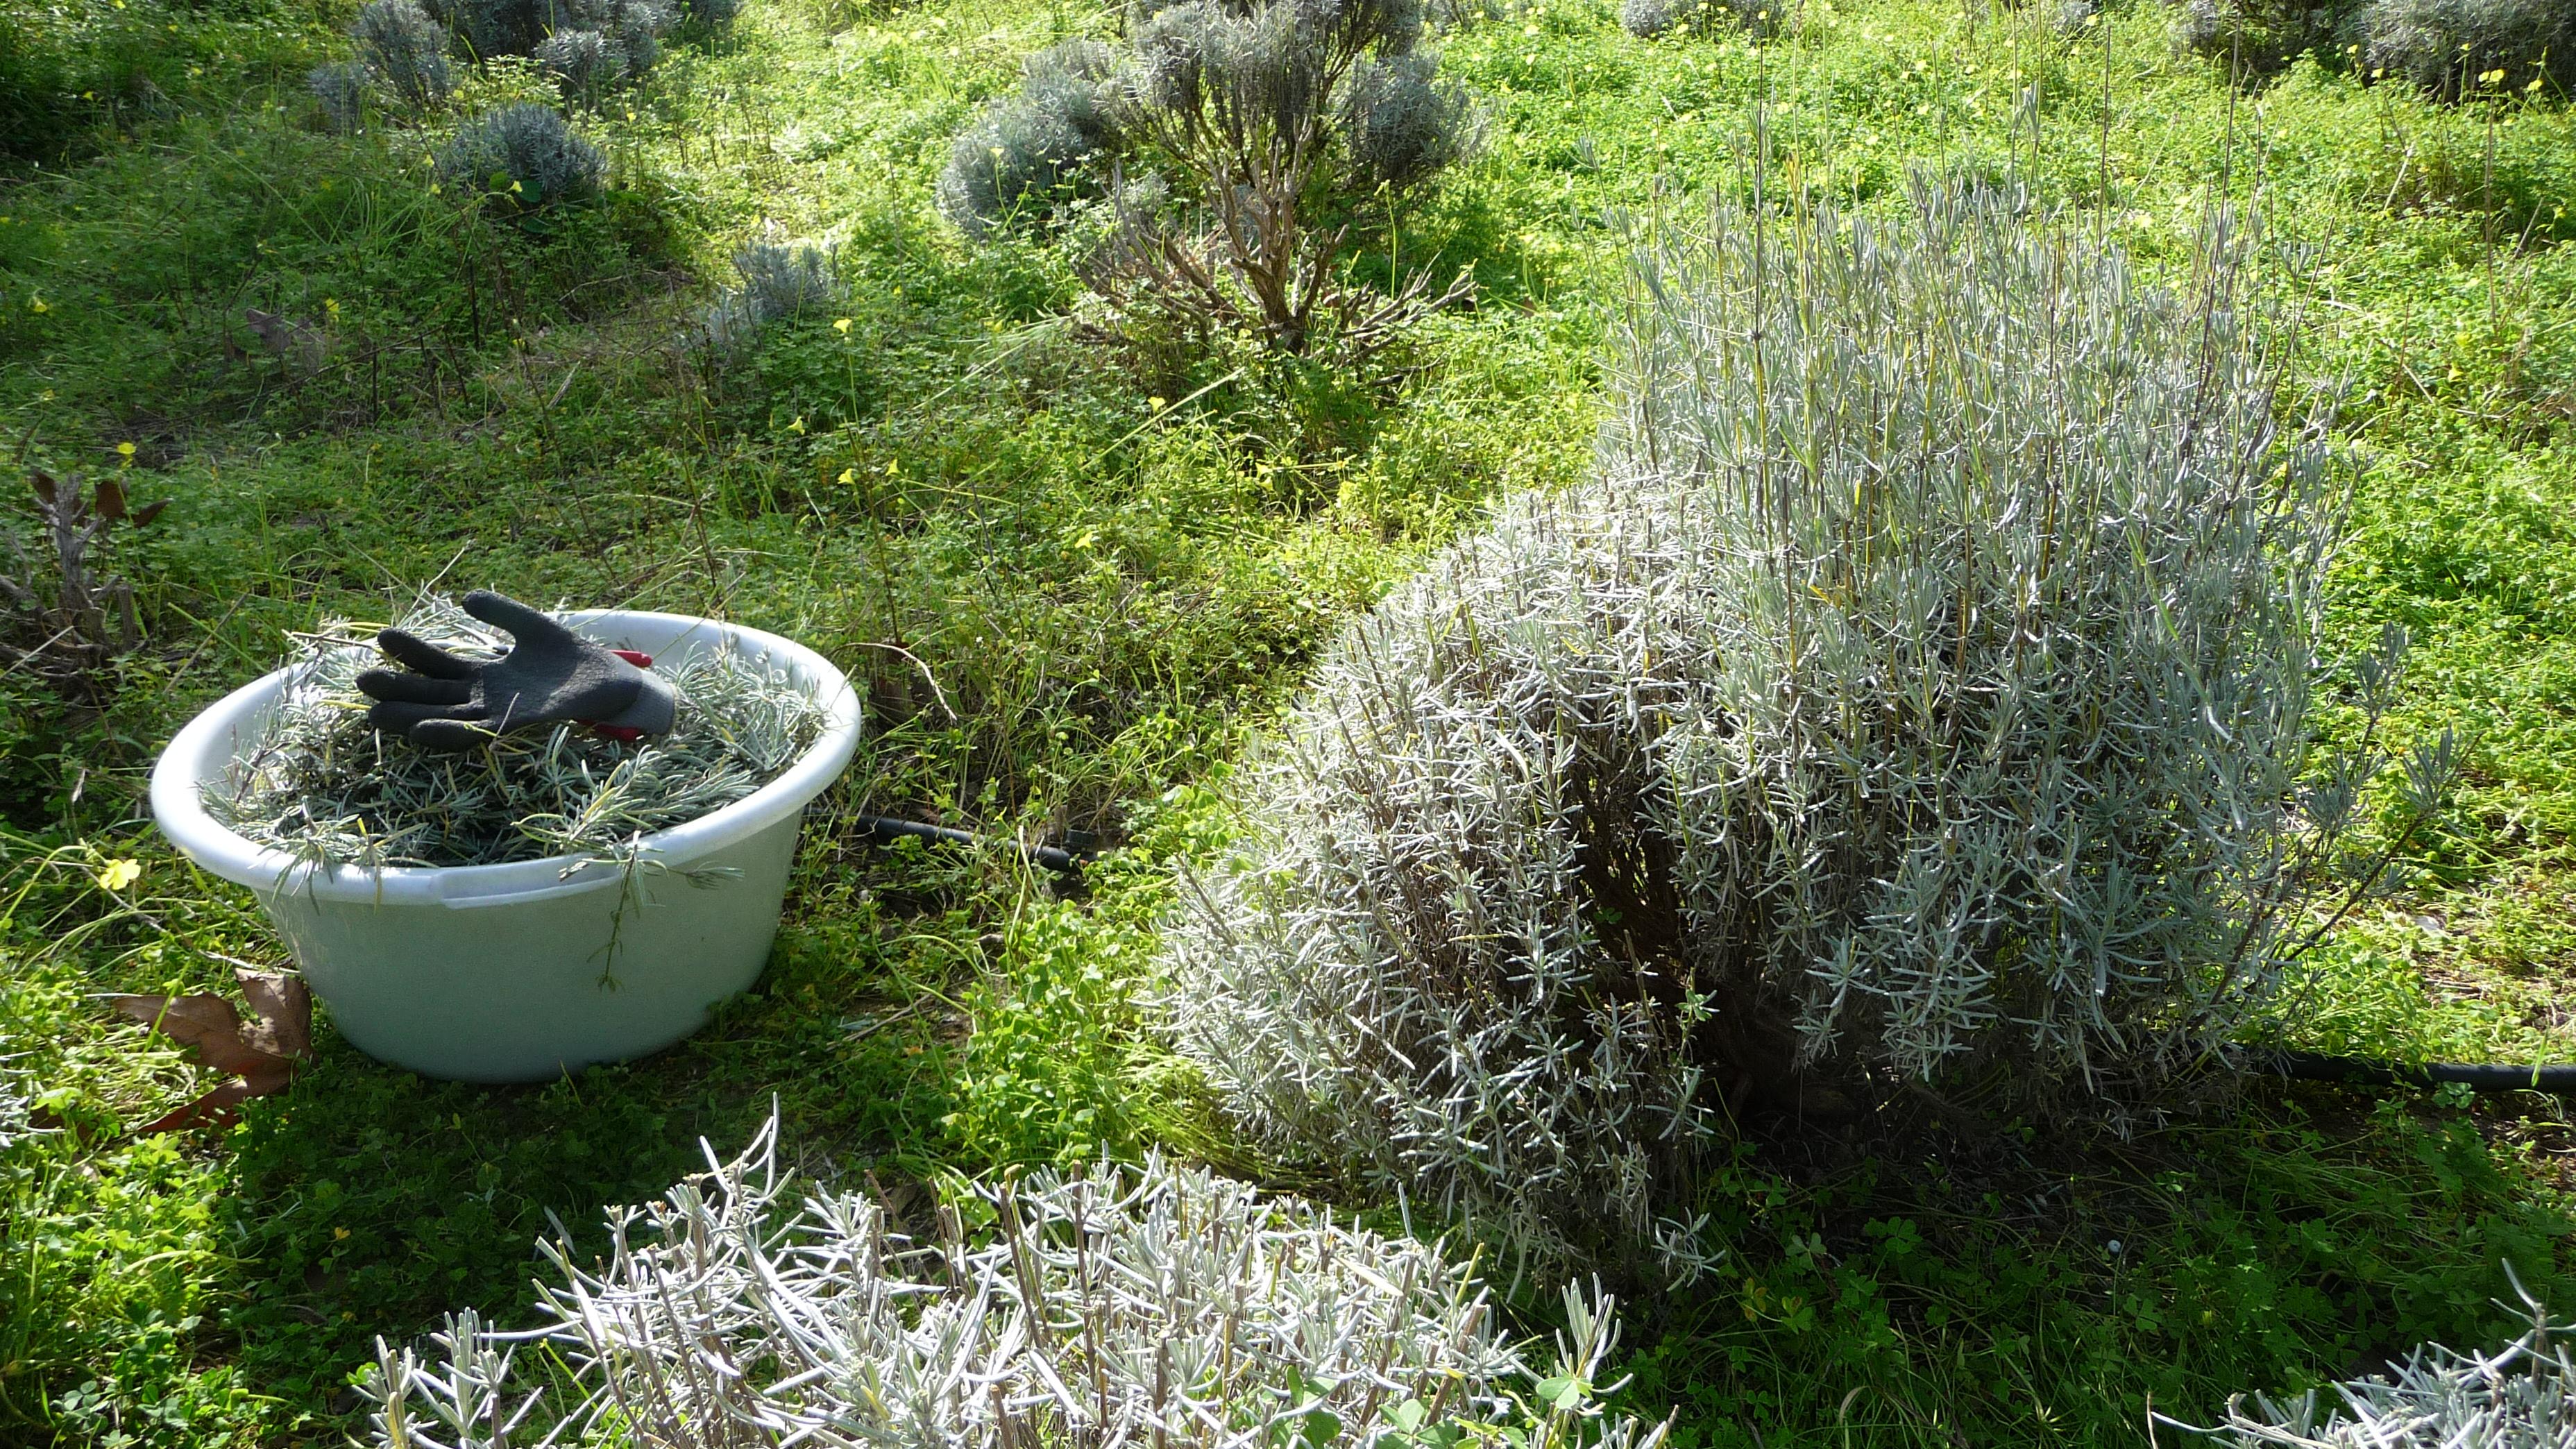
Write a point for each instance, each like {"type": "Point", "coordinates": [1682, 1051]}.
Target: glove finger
{"type": "Point", "coordinates": [450, 734]}
{"type": "Point", "coordinates": [414, 652]}
{"type": "Point", "coordinates": [400, 717]}
{"type": "Point", "coordinates": [408, 688]}
{"type": "Point", "coordinates": [526, 625]}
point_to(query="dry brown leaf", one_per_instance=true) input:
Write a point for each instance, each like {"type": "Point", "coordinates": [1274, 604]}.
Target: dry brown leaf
{"type": "Point", "coordinates": [284, 1007]}
{"type": "Point", "coordinates": [262, 1053]}
{"type": "Point", "coordinates": [214, 1108]}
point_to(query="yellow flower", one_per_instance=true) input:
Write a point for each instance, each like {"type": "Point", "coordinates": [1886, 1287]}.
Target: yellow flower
{"type": "Point", "coordinates": [38, 304]}
{"type": "Point", "coordinates": [842, 326]}
{"type": "Point", "coordinates": [797, 426]}
{"type": "Point", "coordinates": [849, 476]}
{"type": "Point", "coordinates": [125, 450]}
{"type": "Point", "coordinates": [119, 874]}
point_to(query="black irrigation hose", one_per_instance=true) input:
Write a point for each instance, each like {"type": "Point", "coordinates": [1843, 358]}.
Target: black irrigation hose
{"type": "Point", "coordinates": [2366, 1072]}
{"type": "Point", "coordinates": [885, 829]}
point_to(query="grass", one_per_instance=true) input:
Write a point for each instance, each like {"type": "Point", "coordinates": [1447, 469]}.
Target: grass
{"type": "Point", "coordinates": [1112, 577]}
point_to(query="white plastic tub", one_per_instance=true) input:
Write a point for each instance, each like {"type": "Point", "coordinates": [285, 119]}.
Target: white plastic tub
{"type": "Point", "coordinates": [505, 973]}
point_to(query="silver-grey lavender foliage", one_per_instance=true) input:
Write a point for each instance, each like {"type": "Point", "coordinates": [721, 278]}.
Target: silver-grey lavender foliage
{"type": "Point", "coordinates": [404, 48]}
{"type": "Point", "coordinates": [17, 1108]}
{"type": "Point", "coordinates": [524, 155]}
{"type": "Point", "coordinates": [2445, 45]}
{"type": "Point", "coordinates": [1033, 150]}
{"type": "Point", "coordinates": [628, 33]}
{"type": "Point", "coordinates": [585, 66]}
{"type": "Point", "coordinates": [1923, 685]}
{"type": "Point", "coordinates": [401, 50]}
{"type": "Point", "coordinates": [781, 281]}
{"type": "Point", "coordinates": [1647, 19]}
{"type": "Point", "coordinates": [2255, 38]}
{"type": "Point", "coordinates": [342, 87]}
{"type": "Point", "coordinates": [1222, 125]}
{"type": "Point", "coordinates": [319, 782]}
{"type": "Point", "coordinates": [1132, 1307]}
{"type": "Point", "coordinates": [2523, 1396]}
{"type": "Point", "coordinates": [1402, 123]}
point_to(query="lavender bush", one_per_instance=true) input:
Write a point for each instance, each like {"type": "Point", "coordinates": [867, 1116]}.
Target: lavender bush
{"type": "Point", "coordinates": [2448, 46]}
{"type": "Point", "coordinates": [1225, 138]}
{"type": "Point", "coordinates": [522, 156]}
{"type": "Point", "coordinates": [1033, 151]}
{"type": "Point", "coordinates": [1922, 691]}
{"type": "Point", "coordinates": [407, 50]}
{"type": "Point", "coordinates": [2523, 1396]}
{"type": "Point", "coordinates": [1134, 1306]}
{"type": "Point", "coordinates": [779, 282]}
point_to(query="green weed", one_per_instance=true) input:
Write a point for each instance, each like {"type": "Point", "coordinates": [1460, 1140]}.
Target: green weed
{"type": "Point", "coordinates": [1070, 590]}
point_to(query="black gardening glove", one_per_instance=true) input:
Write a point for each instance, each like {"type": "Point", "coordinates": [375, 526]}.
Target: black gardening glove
{"type": "Point", "coordinates": [551, 676]}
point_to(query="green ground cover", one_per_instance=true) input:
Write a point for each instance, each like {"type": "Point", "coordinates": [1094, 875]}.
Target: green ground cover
{"type": "Point", "coordinates": [1113, 574]}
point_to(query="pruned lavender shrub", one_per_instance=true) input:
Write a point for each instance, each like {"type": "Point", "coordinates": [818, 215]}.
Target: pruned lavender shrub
{"type": "Point", "coordinates": [1647, 19]}
{"type": "Point", "coordinates": [343, 88]}
{"type": "Point", "coordinates": [402, 52]}
{"type": "Point", "coordinates": [2522, 1396]}
{"type": "Point", "coordinates": [629, 32]}
{"type": "Point", "coordinates": [583, 63]}
{"type": "Point", "coordinates": [498, 27]}
{"type": "Point", "coordinates": [780, 282]}
{"type": "Point", "coordinates": [1920, 692]}
{"type": "Point", "coordinates": [635, 28]}
{"type": "Point", "coordinates": [1403, 124]}
{"type": "Point", "coordinates": [406, 50]}
{"type": "Point", "coordinates": [2445, 46]}
{"type": "Point", "coordinates": [1138, 1306]}
{"type": "Point", "coordinates": [2258, 38]}
{"type": "Point", "coordinates": [1033, 150]}
{"type": "Point", "coordinates": [1236, 105]}
{"type": "Point", "coordinates": [523, 156]}
{"type": "Point", "coordinates": [1248, 118]}
{"type": "Point", "coordinates": [17, 1106]}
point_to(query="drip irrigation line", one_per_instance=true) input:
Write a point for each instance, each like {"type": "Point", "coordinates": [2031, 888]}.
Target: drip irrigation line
{"type": "Point", "coordinates": [885, 829]}
{"type": "Point", "coordinates": [2370, 1072]}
